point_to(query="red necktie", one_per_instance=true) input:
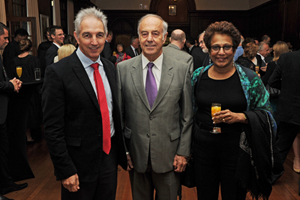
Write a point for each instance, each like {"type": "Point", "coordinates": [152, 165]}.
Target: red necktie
{"type": "Point", "coordinates": [103, 108]}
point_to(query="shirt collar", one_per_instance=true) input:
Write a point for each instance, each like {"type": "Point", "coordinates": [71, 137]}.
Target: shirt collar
{"type": "Point", "coordinates": [85, 61]}
{"type": "Point", "coordinates": [157, 62]}
{"type": "Point", "coordinates": [191, 47]}
{"type": "Point", "coordinates": [56, 44]}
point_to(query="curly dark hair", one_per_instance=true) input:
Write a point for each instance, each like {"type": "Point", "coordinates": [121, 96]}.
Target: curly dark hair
{"type": "Point", "coordinates": [222, 27]}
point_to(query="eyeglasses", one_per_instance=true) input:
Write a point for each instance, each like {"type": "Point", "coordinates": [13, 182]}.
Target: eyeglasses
{"type": "Point", "coordinates": [226, 48]}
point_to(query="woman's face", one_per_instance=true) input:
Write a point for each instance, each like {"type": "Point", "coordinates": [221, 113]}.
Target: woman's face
{"type": "Point", "coordinates": [224, 56]}
{"type": "Point", "coordinates": [119, 48]}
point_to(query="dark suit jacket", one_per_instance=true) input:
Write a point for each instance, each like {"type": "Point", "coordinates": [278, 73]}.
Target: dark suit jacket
{"type": "Point", "coordinates": [5, 86]}
{"type": "Point", "coordinates": [72, 119]}
{"type": "Point", "coordinates": [129, 52]}
{"type": "Point", "coordinates": [107, 53]}
{"type": "Point", "coordinates": [42, 50]}
{"type": "Point", "coordinates": [286, 78]}
{"type": "Point", "coordinates": [198, 57]}
{"type": "Point", "coordinates": [10, 52]}
{"type": "Point", "coordinates": [50, 54]}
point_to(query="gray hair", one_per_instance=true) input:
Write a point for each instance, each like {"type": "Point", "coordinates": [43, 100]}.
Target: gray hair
{"type": "Point", "coordinates": [89, 12]}
{"type": "Point", "coordinates": [260, 46]}
{"type": "Point", "coordinates": [165, 24]}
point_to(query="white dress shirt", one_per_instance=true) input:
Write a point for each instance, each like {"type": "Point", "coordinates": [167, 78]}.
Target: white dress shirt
{"type": "Point", "coordinates": [86, 62]}
{"type": "Point", "coordinates": [156, 69]}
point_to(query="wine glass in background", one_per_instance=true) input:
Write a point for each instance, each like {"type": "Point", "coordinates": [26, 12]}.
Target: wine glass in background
{"type": "Point", "coordinates": [215, 107]}
{"type": "Point", "coordinates": [19, 71]}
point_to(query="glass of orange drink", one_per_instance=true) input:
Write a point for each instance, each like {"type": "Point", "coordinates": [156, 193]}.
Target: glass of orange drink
{"type": "Point", "coordinates": [215, 107]}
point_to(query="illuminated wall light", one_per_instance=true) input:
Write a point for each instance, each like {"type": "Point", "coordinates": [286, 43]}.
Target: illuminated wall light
{"type": "Point", "coordinates": [52, 3]}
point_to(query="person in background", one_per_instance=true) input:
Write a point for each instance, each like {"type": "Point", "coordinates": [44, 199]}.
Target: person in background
{"type": "Point", "coordinates": [218, 156]}
{"type": "Point", "coordinates": [57, 35]}
{"type": "Point", "coordinates": [155, 98]}
{"type": "Point", "coordinates": [286, 78]}
{"type": "Point", "coordinates": [107, 52]}
{"type": "Point", "coordinates": [132, 50]}
{"type": "Point", "coordinates": [175, 48]}
{"type": "Point", "coordinates": [121, 55]}
{"type": "Point", "coordinates": [42, 49]}
{"type": "Point", "coordinates": [65, 50]}
{"type": "Point", "coordinates": [248, 59]}
{"type": "Point", "coordinates": [6, 86]}
{"type": "Point", "coordinates": [69, 40]}
{"type": "Point", "coordinates": [239, 51]}
{"type": "Point", "coordinates": [82, 121]}
{"type": "Point", "coordinates": [12, 49]}
{"type": "Point", "coordinates": [262, 53]}
{"type": "Point", "coordinates": [206, 61]}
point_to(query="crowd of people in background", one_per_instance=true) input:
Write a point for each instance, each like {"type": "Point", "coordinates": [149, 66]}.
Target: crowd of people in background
{"type": "Point", "coordinates": [158, 93]}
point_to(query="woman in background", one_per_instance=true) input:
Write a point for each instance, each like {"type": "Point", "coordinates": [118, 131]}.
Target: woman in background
{"type": "Point", "coordinates": [121, 55]}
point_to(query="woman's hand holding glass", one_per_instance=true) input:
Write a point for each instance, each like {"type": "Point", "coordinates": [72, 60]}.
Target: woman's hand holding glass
{"type": "Point", "coordinates": [226, 116]}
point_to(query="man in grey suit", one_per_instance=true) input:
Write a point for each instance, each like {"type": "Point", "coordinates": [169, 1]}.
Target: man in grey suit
{"type": "Point", "coordinates": [177, 41]}
{"type": "Point", "coordinates": [155, 97]}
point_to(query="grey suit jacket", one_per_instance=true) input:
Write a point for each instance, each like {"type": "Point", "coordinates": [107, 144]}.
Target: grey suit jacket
{"type": "Point", "coordinates": [174, 52]}
{"type": "Point", "coordinates": [165, 130]}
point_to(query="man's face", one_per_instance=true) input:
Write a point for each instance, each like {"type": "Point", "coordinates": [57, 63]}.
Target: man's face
{"type": "Point", "coordinates": [58, 37]}
{"type": "Point", "coordinates": [202, 44]}
{"type": "Point", "coordinates": [91, 38]}
{"type": "Point", "coordinates": [151, 37]}
{"type": "Point", "coordinates": [4, 39]}
{"type": "Point", "coordinates": [265, 50]}
{"type": "Point", "coordinates": [109, 38]}
{"type": "Point", "coordinates": [135, 43]}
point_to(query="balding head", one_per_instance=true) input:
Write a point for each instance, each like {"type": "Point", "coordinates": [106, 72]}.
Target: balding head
{"type": "Point", "coordinates": [178, 38]}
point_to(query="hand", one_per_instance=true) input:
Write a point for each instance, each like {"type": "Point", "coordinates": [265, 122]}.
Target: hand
{"type": "Point", "coordinates": [129, 163]}
{"type": "Point", "coordinates": [226, 116]}
{"type": "Point", "coordinates": [264, 69]}
{"type": "Point", "coordinates": [179, 163]}
{"type": "Point", "coordinates": [71, 183]}
{"type": "Point", "coordinates": [17, 84]}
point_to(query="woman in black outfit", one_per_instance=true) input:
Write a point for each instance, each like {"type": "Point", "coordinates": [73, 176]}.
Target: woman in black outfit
{"type": "Point", "coordinates": [239, 91]}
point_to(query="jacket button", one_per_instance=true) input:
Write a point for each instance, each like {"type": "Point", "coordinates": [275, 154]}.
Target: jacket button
{"type": "Point", "coordinates": [148, 135]}
{"type": "Point", "coordinates": [151, 117]}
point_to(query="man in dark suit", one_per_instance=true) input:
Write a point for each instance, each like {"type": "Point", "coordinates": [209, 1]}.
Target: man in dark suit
{"type": "Point", "coordinates": [57, 35]}
{"type": "Point", "coordinates": [156, 100]}
{"type": "Point", "coordinates": [205, 59]}
{"type": "Point", "coordinates": [174, 49]}
{"type": "Point", "coordinates": [132, 50]}
{"type": "Point", "coordinates": [43, 48]}
{"type": "Point", "coordinates": [81, 116]}
{"type": "Point", "coordinates": [107, 52]}
{"type": "Point", "coordinates": [286, 78]}
{"type": "Point", "coordinates": [13, 48]}
{"type": "Point", "coordinates": [6, 183]}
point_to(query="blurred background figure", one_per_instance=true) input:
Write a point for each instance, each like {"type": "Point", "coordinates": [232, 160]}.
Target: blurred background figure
{"type": "Point", "coordinates": [42, 49]}
{"type": "Point", "coordinates": [133, 49]}
{"type": "Point", "coordinates": [239, 51]}
{"type": "Point", "coordinates": [12, 49]}
{"type": "Point", "coordinates": [249, 56]}
{"type": "Point", "coordinates": [120, 53]}
{"type": "Point", "coordinates": [71, 43]}
{"type": "Point", "coordinates": [64, 51]}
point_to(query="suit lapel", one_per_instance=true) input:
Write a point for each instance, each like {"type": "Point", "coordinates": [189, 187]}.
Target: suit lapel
{"type": "Point", "coordinates": [137, 77]}
{"type": "Point", "coordinates": [84, 79]}
{"type": "Point", "coordinates": [165, 81]}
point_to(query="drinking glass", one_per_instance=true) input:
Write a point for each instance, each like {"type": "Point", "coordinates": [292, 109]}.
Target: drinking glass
{"type": "Point", "coordinates": [19, 71]}
{"type": "Point", "coordinates": [215, 107]}
{"type": "Point", "coordinates": [257, 69]}
{"type": "Point", "coordinates": [37, 74]}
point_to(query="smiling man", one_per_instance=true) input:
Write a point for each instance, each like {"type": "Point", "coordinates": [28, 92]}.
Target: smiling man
{"type": "Point", "coordinates": [81, 118]}
{"type": "Point", "coordinates": [57, 36]}
{"type": "Point", "coordinates": [155, 93]}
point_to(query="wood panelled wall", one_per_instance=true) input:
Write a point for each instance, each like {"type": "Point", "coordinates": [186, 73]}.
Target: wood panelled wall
{"type": "Point", "coordinates": [280, 19]}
